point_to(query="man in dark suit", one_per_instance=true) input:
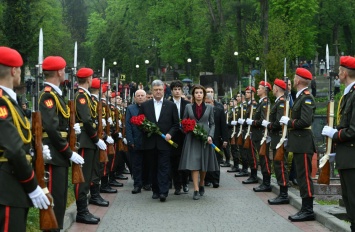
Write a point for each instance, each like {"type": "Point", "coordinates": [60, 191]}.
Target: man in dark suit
{"type": "Point", "coordinates": [220, 138]}
{"type": "Point", "coordinates": [180, 177]}
{"type": "Point", "coordinates": [164, 114]}
{"type": "Point", "coordinates": [344, 136]}
{"type": "Point", "coordinates": [301, 143]}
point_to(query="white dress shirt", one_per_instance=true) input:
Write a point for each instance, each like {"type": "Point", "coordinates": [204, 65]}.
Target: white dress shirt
{"type": "Point", "coordinates": [157, 108]}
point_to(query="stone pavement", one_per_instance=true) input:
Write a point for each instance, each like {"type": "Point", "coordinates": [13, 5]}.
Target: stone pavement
{"type": "Point", "coordinates": [231, 207]}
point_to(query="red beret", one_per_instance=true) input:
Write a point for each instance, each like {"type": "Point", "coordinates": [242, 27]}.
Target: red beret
{"type": "Point", "coordinates": [347, 62]}
{"type": "Point", "coordinates": [280, 83]}
{"type": "Point", "coordinates": [267, 84]}
{"type": "Point", "coordinates": [104, 87]}
{"type": "Point", "coordinates": [250, 88]}
{"type": "Point", "coordinates": [304, 73]}
{"type": "Point", "coordinates": [85, 73]}
{"type": "Point", "coordinates": [53, 63]}
{"type": "Point", "coordinates": [10, 57]}
{"type": "Point", "coordinates": [95, 84]}
{"type": "Point", "coordinates": [115, 94]}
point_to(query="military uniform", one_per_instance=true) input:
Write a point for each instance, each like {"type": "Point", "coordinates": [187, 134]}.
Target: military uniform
{"type": "Point", "coordinates": [233, 139]}
{"type": "Point", "coordinates": [242, 151]}
{"type": "Point", "coordinates": [17, 177]}
{"type": "Point", "coordinates": [55, 122]}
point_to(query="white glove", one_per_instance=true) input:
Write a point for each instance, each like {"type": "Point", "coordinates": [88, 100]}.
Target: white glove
{"type": "Point", "coordinates": [76, 158]}
{"type": "Point", "coordinates": [233, 123]}
{"type": "Point", "coordinates": [284, 120]}
{"type": "Point", "coordinates": [46, 153]}
{"type": "Point", "coordinates": [109, 120]}
{"type": "Point", "coordinates": [77, 128]}
{"type": "Point", "coordinates": [101, 144]}
{"type": "Point", "coordinates": [249, 121]}
{"type": "Point", "coordinates": [39, 199]}
{"type": "Point", "coordinates": [109, 140]}
{"type": "Point", "coordinates": [264, 123]}
{"type": "Point", "coordinates": [119, 135]}
{"type": "Point", "coordinates": [120, 123]}
{"type": "Point", "coordinates": [124, 141]}
{"type": "Point", "coordinates": [328, 131]}
{"type": "Point", "coordinates": [103, 122]}
{"type": "Point", "coordinates": [323, 160]}
{"type": "Point", "coordinates": [241, 121]}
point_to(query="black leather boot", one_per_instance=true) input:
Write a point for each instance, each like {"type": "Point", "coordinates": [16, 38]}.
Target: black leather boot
{"type": "Point", "coordinates": [105, 187]}
{"type": "Point", "coordinates": [352, 227]}
{"type": "Point", "coordinates": [112, 181]}
{"type": "Point", "coordinates": [242, 173]}
{"type": "Point", "coordinates": [234, 169]}
{"type": "Point", "coordinates": [265, 186]}
{"type": "Point", "coordinates": [226, 164]}
{"type": "Point", "coordinates": [306, 213]}
{"type": "Point", "coordinates": [96, 198]}
{"type": "Point", "coordinates": [83, 215]}
{"type": "Point", "coordinates": [282, 198]}
{"type": "Point", "coordinates": [252, 179]}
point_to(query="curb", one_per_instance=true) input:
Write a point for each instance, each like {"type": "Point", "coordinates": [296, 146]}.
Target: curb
{"type": "Point", "coordinates": [326, 219]}
{"type": "Point", "coordinates": [69, 217]}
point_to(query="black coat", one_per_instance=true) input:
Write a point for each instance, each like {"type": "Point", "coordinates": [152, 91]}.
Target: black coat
{"type": "Point", "coordinates": [168, 123]}
{"type": "Point", "coordinates": [220, 132]}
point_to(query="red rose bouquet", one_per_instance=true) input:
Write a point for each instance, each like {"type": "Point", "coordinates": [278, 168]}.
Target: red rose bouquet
{"type": "Point", "coordinates": [190, 125]}
{"type": "Point", "coordinates": [149, 127]}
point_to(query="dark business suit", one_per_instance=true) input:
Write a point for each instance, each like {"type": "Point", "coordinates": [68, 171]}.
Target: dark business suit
{"type": "Point", "coordinates": [155, 145]}
{"type": "Point", "coordinates": [220, 136]}
{"type": "Point", "coordinates": [180, 177]}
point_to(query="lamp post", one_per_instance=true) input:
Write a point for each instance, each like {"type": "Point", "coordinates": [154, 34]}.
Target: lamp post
{"type": "Point", "coordinates": [189, 67]}
{"type": "Point", "coordinates": [146, 63]}
{"type": "Point", "coordinates": [236, 60]}
{"type": "Point", "coordinates": [137, 67]}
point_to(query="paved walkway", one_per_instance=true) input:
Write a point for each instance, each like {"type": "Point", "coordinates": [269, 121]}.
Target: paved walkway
{"type": "Point", "coordinates": [231, 207]}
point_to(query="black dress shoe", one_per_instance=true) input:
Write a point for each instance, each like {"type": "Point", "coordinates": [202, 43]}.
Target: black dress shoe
{"type": "Point", "coordinates": [279, 200]}
{"type": "Point", "coordinates": [147, 187]}
{"type": "Point", "coordinates": [196, 195]}
{"type": "Point", "coordinates": [185, 188]}
{"type": "Point", "coordinates": [303, 215]}
{"type": "Point", "coordinates": [177, 192]}
{"type": "Point", "coordinates": [155, 196]}
{"type": "Point", "coordinates": [225, 165]}
{"type": "Point", "coordinates": [136, 190]}
{"type": "Point", "coordinates": [115, 183]}
{"type": "Point", "coordinates": [241, 174]}
{"type": "Point", "coordinates": [250, 180]}
{"type": "Point", "coordinates": [121, 177]}
{"type": "Point", "coordinates": [215, 185]}
{"type": "Point", "coordinates": [294, 182]}
{"type": "Point", "coordinates": [86, 218]}
{"type": "Point", "coordinates": [107, 189]}
{"type": "Point", "coordinates": [125, 171]}
{"type": "Point", "coordinates": [207, 183]}
{"type": "Point", "coordinates": [201, 190]}
{"type": "Point", "coordinates": [162, 197]}
{"type": "Point", "coordinates": [234, 169]}
{"type": "Point", "coordinates": [99, 201]}
{"type": "Point", "coordinates": [263, 188]}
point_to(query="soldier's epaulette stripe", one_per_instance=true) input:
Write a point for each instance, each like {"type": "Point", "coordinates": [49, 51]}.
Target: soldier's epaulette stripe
{"type": "Point", "coordinates": [47, 89]}
{"type": "Point", "coordinates": [29, 179]}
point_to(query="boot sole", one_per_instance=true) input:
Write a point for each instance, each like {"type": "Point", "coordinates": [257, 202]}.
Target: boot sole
{"type": "Point", "coordinates": [87, 222]}
{"type": "Point", "coordinates": [302, 220]}
{"type": "Point", "coordinates": [278, 203]}
{"type": "Point", "coordinates": [92, 203]}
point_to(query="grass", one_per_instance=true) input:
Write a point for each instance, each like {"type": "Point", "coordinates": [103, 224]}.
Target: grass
{"type": "Point", "coordinates": [33, 214]}
{"type": "Point", "coordinates": [328, 202]}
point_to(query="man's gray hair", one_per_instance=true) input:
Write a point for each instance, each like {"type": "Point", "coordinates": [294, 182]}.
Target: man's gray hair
{"type": "Point", "coordinates": [157, 83]}
{"type": "Point", "coordinates": [209, 96]}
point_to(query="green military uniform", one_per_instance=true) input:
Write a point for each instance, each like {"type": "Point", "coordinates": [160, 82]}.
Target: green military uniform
{"type": "Point", "coordinates": [17, 177]}
{"type": "Point", "coordinates": [257, 135]}
{"type": "Point", "coordinates": [233, 140]}
{"type": "Point", "coordinates": [344, 159]}
{"type": "Point", "coordinates": [55, 122]}
{"type": "Point", "coordinates": [85, 109]}
{"type": "Point", "coordinates": [243, 153]}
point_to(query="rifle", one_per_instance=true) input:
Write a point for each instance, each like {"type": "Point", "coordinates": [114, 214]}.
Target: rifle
{"type": "Point", "coordinates": [324, 175]}
{"type": "Point", "coordinates": [280, 148]}
{"type": "Point", "coordinates": [103, 154]}
{"type": "Point", "coordinates": [247, 136]}
{"type": "Point", "coordinates": [240, 133]}
{"type": "Point", "coordinates": [110, 148]}
{"type": "Point", "coordinates": [122, 146]}
{"type": "Point", "coordinates": [77, 172]}
{"type": "Point", "coordinates": [47, 219]}
{"type": "Point", "coordinates": [233, 111]}
{"type": "Point", "coordinates": [263, 147]}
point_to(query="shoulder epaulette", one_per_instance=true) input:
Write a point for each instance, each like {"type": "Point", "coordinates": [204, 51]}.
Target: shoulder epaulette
{"type": "Point", "coordinates": [306, 91]}
{"type": "Point", "coordinates": [81, 91]}
{"type": "Point", "coordinates": [47, 89]}
{"type": "Point", "coordinates": [0, 92]}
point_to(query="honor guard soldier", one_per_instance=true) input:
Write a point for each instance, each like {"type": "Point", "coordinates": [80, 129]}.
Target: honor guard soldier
{"type": "Point", "coordinates": [16, 174]}
{"type": "Point", "coordinates": [257, 135]}
{"type": "Point", "coordinates": [344, 136]}
{"type": "Point", "coordinates": [275, 132]}
{"type": "Point", "coordinates": [55, 122]}
{"type": "Point", "coordinates": [301, 143]}
{"type": "Point", "coordinates": [235, 109]}
{"type": "Point", "coordinates": [86, 115]}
